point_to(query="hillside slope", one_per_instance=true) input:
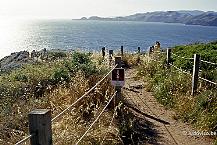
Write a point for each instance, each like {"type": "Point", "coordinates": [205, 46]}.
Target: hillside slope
{"type": "Point", "coordinates": [184, 17]}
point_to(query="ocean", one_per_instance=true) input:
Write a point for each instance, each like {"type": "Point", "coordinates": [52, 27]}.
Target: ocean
{"type": "Point", "coordinates": [17, 35]}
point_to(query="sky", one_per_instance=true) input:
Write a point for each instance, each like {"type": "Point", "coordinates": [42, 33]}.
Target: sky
{"type": "Point", "coordinates": [104, 8]}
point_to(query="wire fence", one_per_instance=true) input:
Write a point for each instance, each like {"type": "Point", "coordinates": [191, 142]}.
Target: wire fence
{"type": "Point", "coordinates": [182, 57]}
{"type": "Point", "coordinates": [208, 81]}
{"type": "Point", "coordinates": [208, 62]}
{"type": "Point", "coordinates": [96, 119]}
{"type": "Point", "coordinates": [181, 70]}
{"type": "Point", "coordinates": [110, 124]}
{"type": "Point", "coordinates": [25, 139]}
{"type": "Point", "coordinates": [65, 110]}
{"type": "Point", "coordinates": [84, 94]}
{"type": "Point", "coordinates": [189, 73]}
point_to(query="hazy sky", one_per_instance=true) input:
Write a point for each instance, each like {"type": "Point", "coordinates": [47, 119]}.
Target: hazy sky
{"type": "Point", "coordinates": [79, 8]}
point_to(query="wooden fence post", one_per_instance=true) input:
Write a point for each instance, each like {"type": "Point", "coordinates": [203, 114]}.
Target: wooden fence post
{"type": "Point", "coordinates": [110, 53]}
{"type": "Point", "coordinates": [122, 50]}
{"type": "Point", "coordinates": [195, 73]}
{"type": "Point", "coordinates": [40, 126]}
{"type": "Point", "coordinates": [118, 61]}
{"type": "Point", "coordinates": [118, 88]}
{"type": "Point", "coordinates": [168, 57]}
{"type": "Point", "coordinates": [103, 52]}
{"type": "Point", "coordinates": [139, 50]}
{"type": "Point", "coordinates": [149, 51]}
{"type": "Point", "coordinates": [110, 57]}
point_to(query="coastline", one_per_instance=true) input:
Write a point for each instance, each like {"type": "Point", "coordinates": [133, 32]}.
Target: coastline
{"type": "Point", "coordinates": [17, 59]}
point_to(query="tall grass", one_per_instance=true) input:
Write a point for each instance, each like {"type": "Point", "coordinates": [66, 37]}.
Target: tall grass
{"type": "Point", "coordinates": [55, 85]}
{"type": "Point", "coordinates": [173, 89]}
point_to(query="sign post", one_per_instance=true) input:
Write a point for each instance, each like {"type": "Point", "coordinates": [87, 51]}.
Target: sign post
{"type": "Point", "coordinates": [118, 77]}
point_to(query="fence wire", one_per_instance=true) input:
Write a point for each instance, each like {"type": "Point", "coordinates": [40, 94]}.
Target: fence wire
{"type": "Point", "coordinates": [181, 70]}
{"type": "Point", "coordinates": [182, 57]}
{"type": "Point", "coordinates": [207, 81]}
{"type": "Point", "coordinates": [110, 124]}
{"type": "Point", "coordinates": [25, 139]}
{"type": "Point", "coordinates": [199, 70]}
{"type": "Point", "coordinates": [28, 137]}
{"type": "Point", "coordinates": [96, 119]}
{"type": "Point", "coordinates": [84, 94]}
{"type": "Point", "coordinates": [208, 62]}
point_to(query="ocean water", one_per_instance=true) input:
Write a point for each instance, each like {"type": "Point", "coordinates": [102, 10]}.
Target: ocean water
{"type": "Point", "coordinates": [16, 35]}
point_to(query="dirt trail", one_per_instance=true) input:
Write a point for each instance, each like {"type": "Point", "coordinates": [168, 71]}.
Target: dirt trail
{"type": "Point", "coordinates": [172, 134]}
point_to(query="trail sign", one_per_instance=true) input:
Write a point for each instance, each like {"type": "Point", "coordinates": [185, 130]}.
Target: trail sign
{"type": "Point", "coordinates": [118, 77]}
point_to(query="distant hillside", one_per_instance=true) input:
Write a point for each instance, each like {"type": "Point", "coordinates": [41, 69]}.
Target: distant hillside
{"type": "Point", "coordinates": [205, 19]}
{"type": "Point", "coordinates": [185, 17]}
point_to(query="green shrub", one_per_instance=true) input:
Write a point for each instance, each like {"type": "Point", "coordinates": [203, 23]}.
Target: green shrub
{"type": "Point", "coordinates": [60, 75]}
{"type": "Point", "coordinates": [207, 52]}
{"type": "Point", "coordinates": [21, 77]}
{"type": "Point", "coordinates": [80, 58]}
{"type": "Point", "coordinates": [56, 55]}
{"type": "Point", "coordinates": [81, 61]}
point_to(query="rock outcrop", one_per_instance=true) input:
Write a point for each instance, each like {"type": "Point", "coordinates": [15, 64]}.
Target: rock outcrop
{"type": "Point", "coordinates": [15, 60]}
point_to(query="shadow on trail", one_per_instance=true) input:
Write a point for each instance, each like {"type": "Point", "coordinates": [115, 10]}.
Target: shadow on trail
{"type": "Point", "coordinates": [134, 129]}
{"type": "Point", "coordinates": [146, 115]}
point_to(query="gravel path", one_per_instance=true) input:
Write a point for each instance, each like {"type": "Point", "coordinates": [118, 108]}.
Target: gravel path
{"type": "Point", "coordinates": [177, 132]}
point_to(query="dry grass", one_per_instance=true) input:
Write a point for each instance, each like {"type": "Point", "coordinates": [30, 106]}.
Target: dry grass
{"type": "Point", "coordinates": [69, 127]}
{"type": "Point", "coordinates": [131, 60]}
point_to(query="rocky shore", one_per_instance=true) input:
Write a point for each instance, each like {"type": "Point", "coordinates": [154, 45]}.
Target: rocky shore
{"type": "Point", "coordinates": [17, 59]}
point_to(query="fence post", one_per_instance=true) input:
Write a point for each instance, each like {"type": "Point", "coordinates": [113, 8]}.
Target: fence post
{"type": "Point", "coordinates": [139, 50]}
{"type": "Point", "coordinates": [103, 52]}
{"type": "Point", "coordinates": [168, 56]}
{"type": "Point", "coordinates": [122, 50]}
{"type": "Point", "coordinates": [149, 51]}
{"type": "Point", "coordinates": [40, 125]}
{"type": "Point", "coordinates": [195, 73]}
{"type": "Point", "coordinates": [110, 53]}
{"type": "Point", "coordinates": [110, 57]}
{"type": "Point", "coordinates": [118, 88]}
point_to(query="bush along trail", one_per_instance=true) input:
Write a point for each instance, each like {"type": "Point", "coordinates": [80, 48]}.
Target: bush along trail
{"type": "Point", "coordinates": [171, 85]}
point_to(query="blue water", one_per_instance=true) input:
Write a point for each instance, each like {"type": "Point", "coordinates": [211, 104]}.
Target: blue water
{"type": "Point", "coordinates": [92, 35]}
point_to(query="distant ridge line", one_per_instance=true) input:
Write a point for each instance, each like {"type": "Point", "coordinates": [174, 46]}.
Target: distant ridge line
{"type": "Point", "coordinates": [194, 17]}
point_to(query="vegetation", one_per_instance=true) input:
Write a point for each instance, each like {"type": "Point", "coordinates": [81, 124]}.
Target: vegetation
{"type": "Point", "coordinates": [63, 78]}
{"type": "Point", "coordinates": [207, 52]}
{"type": "Point", "coordinates": [55, 85]}
{"type": "Point", "coordinates": [130, 60]}
{"type": "Point", "coordinates": [172, 88]}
